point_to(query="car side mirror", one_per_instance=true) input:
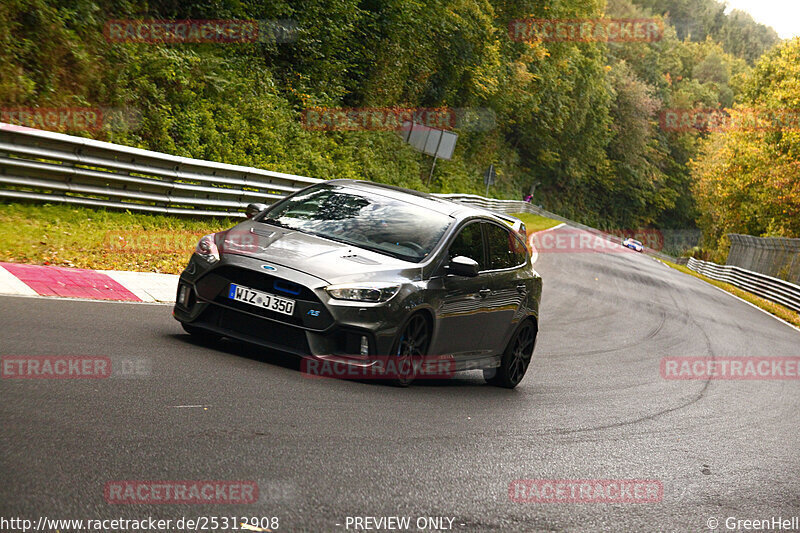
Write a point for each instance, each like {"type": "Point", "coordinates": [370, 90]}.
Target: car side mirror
{"type": "Point", "coordinates": [462, 266]}
{"type": "Point", "coordinates": [254, 209]}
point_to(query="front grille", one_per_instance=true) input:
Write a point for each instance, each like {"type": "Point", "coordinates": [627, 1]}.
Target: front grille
{"type": "Point", "coordinates": [254, 329]}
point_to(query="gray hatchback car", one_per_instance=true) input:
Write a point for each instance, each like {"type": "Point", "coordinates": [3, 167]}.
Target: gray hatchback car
{"type": "Point", "coordinates": [358, 273]}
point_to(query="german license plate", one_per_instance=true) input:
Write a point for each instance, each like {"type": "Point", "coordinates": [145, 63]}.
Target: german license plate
{"type": "Point", "coordinates": [261, 299]}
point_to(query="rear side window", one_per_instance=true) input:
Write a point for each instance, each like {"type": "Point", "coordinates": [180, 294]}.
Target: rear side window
{"type": "Point", "coordinates": [505, 249]}
{"type": "Point", "coordinates": [469, 243]}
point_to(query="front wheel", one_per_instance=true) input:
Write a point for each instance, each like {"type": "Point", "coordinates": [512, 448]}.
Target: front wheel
{"type": "Point", "coordinates": [410, 349]}
{"type": "Point", "coordinates": [515, 360]}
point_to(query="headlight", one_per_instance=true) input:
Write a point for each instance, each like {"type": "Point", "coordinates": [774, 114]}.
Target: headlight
{"type": "Point", "coordinates": [207, 249]}
{"type": "Point", "coordinates": [364, 292]}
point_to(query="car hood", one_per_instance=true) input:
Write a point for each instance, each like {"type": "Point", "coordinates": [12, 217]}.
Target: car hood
{"type": "Point", "coordinates": [330, 261]}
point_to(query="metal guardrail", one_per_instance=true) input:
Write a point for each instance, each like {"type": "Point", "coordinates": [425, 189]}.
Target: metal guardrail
{"type": "Point", "coordinates": [772, 289]}
{"type": "Point", "coordinates": [53, 167]}
{"type": "Point", "coordinates": [501, 206]}
{"type": "Point", "coordinates": [46, 166]}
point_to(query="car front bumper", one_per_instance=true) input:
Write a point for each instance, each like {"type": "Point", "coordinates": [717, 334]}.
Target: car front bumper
{"type": "Point", "coordinates": [320, 327]}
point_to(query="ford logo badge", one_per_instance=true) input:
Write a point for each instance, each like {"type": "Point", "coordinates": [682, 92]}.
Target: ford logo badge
{"type": "Point", "coordinates": [268, 267]}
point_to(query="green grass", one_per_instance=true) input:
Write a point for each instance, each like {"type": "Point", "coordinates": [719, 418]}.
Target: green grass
{"type": "Point", "coordinates": [536, 222]}
{"type": "Point", "coordinates": [64, 235]}
{"type": "Point", "coordinates": [775, 309]}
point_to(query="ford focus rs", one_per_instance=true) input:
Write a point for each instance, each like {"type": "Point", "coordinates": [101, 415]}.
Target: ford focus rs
{"type": "Point", "coordinates": [356, 272]}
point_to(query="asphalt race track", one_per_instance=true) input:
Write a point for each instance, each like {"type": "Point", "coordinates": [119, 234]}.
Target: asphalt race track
{"type": "Point", "coordinates": [593, 406]}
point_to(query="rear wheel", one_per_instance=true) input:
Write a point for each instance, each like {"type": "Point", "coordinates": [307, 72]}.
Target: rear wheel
{"type": "Point", "coordinates": [515, 360]}
{"type": "Point", "coordinates": [200, 334]}
{"type": "Point", "coordinates": [410, 349]}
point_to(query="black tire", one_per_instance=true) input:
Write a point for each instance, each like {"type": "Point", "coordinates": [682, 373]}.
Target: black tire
{"type": "Point", "coordinates": [410, 348]}
{"type": "Point", "coordinates": [202, 335]}
{"type": "Point", "coordinates": [516, 358]}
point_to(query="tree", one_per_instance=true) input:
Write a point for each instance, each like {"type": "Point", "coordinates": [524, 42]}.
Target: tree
{"type": "Point", "coordinates": [748, 178]}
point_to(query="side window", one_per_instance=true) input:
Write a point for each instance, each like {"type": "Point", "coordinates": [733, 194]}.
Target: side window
{"type": "Point", "coordinates": [469, 243]}
{"type": "Point", "coordinates": [505, 250]}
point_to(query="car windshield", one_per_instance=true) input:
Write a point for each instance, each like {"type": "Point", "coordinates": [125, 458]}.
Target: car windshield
{"type": "Point", "coordinates": [367, 220]}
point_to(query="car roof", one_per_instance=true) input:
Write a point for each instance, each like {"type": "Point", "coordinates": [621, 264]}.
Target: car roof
{"type": "Point", "coordinates": [427, 200]}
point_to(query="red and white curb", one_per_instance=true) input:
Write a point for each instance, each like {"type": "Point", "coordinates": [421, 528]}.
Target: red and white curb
{"type": "Point", "coordinates": [36, 280]}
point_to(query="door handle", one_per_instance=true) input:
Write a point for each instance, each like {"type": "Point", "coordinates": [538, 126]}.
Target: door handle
{"type": "Point", "coordinates": [484, 292]}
